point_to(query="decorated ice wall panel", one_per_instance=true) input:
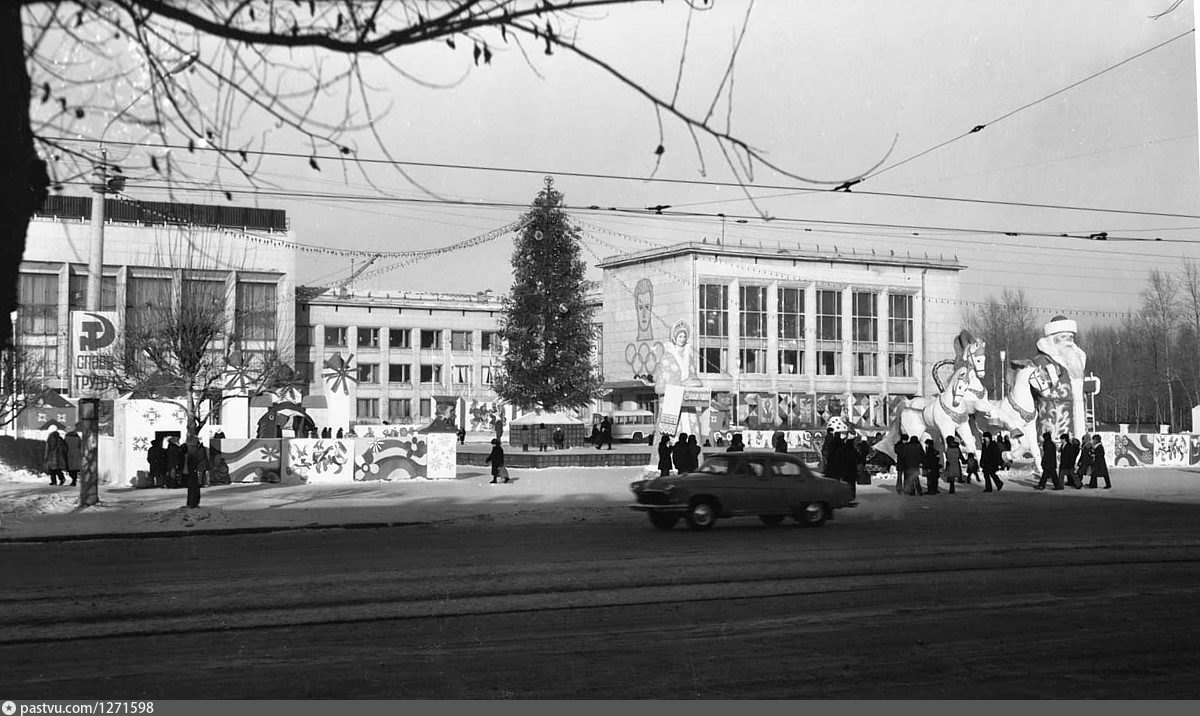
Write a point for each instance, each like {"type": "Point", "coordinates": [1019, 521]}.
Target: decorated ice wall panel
{"type": "Point", "coordinates": [1150, 449]}
{"type": "Point", "coordinates": [253, 460]}
{"type": "Point", "coordinates": [316, 462]}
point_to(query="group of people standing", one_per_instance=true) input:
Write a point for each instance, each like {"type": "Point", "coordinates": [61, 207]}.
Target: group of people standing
{"type": "Point", "coordinates": [173, 466]}
{"type": "Point", "coordinates": [63, 454]}
{"type": "Point", "coordinates": [1071, 460]}
{"type": "Point", "coordinates": [683, 456]}
{"type": "Point", "coordinates": [602, 432]}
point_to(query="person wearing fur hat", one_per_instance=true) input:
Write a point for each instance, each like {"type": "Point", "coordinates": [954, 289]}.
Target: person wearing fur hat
{"type": "Point", "coordinates": [1049, 464]}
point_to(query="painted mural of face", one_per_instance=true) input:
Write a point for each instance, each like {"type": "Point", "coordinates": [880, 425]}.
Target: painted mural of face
{"type": "Point", "coordinates": [643, 302]}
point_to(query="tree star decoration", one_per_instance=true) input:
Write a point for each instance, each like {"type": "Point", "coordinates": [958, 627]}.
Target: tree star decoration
{"type": "Point", "coordinates": [338, 373]}
{"type": "Point", "coordinates": [237, 374]}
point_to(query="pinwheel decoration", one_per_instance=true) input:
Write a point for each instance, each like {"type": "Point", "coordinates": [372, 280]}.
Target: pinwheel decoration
{"type": "Point", "coordinates": [338, 374]}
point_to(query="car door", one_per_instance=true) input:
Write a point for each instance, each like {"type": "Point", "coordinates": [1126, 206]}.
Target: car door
{"type": "Point", "coordinates": [761, 491]}
{"type": "Point", "coordinates": [794, 482]}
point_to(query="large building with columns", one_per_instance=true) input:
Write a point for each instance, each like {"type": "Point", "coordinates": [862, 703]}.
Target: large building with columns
{"type": "Point", "coordinates": [776, 338]}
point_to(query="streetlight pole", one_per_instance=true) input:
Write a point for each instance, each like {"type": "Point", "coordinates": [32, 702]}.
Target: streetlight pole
{"type": "Point", "coordinates": [89, 404]}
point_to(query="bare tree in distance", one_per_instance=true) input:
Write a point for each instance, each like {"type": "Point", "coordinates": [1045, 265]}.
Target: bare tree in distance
{"type": "Point", "coordinates": [1161, 312]}
{"type": "Point", "coordinates": [192, 76]}
{"type": "Point", "coordinates": [22, 379]}
{"type": "Point", "coordinates": [1006, 323]}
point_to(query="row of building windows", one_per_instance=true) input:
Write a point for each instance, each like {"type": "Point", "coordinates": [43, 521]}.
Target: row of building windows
{"type": "Point", "coordinates": [255, 303]}
{"type": "Point", "coordinates": [429, 339]}
{"type": "Point", "coordinates": [428, 374]}
{"type": "Point", "coordinates": [398, 409]}
{"type": "Point", "coordinates": [752, 318]}
{"type": "Point", "coordinates": [715, 360]}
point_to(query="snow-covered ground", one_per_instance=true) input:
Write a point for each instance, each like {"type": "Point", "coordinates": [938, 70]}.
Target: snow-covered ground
{"type": "Point", "coordinates": [31, 508]}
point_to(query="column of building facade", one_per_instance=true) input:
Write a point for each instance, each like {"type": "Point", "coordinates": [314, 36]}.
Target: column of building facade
{"type": "Point", "coordinates": [734, 337]}
{"type": "Point", "coordinates": [883, 311]}
{"type": "Point", "coordinates": [921, 363]}
{"type": "Point", "coordinates": [810, 338]}
{"type": "Point", "coordinates": [847, 320]}
{"type": "Point", "coordinates": [773, 334]}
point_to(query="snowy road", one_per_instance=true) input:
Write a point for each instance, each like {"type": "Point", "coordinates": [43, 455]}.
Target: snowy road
{"type": "Point", "coordinates": [1031, 595]}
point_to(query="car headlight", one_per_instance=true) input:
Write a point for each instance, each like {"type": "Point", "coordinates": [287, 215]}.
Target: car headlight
{"type": "Point", "coordinates": [636, 487]}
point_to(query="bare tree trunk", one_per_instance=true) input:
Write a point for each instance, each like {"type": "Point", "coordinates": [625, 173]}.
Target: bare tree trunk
{"type": "Point", "coordinates": [23, 178]}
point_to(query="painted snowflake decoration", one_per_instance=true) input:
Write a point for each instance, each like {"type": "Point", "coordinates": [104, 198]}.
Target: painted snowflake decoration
{"type": "Point", "coordinates": [141, 443]}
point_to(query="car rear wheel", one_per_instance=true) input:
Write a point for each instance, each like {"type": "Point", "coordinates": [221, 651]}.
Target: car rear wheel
{"type": "Point", "coordinates": [813, 514]}
{"type": "Point", "coordinates": [702, 515]}
{"type": "Point", "coordinates": [771, 520]}
{"type": "Point", "coordinates": [663, 520]}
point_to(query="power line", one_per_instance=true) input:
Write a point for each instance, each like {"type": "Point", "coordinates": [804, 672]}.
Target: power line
{"type": "Point", "coordinates": [666, 212]}
{"type": "Point", "coordinates": [641, 179]}
{"type": "Point", "coordinates": [980, 127]}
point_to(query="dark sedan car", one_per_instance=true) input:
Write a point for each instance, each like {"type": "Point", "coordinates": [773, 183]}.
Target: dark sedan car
{"type": "Point", "coordinates": [768, 484]}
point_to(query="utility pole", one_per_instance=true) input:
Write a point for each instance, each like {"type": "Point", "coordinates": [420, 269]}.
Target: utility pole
{"type": "Point", "coordinates": [100, 189]}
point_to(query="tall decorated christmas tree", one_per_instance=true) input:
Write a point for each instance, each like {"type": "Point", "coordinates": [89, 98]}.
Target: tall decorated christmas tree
{"type": "Point", "coordinates": [547, 324]}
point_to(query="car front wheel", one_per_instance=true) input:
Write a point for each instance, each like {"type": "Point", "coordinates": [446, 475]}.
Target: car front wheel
{"type": "Point", "coordinates": [771, 520]}
{"type": "Point", "coordinates": [702, 515]}
{"type": "Point", "coordinates": [813, 514]}
{"type": "Point", "coordinates": [663, 520]}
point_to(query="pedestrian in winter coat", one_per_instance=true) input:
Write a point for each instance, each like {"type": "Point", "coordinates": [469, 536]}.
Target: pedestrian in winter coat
{"type": "Point", "coordinates": [55, 457]}
{"type": "Point", "coordinates": [74, 455]}
{"type": "Point", "coordinates": [606, 431]}
{"type": "Point", "coordinates": [664, 456]}
{"type": "Point", "coordinates": [953, 472]}
{"type": "Point", "coordinates": [1099, 466]}
{"type": "Point", "coordinates": [195, 470]}
{"type": "Point", "coordinates": [681, 456]}
{"type": "Point", "coordinates": [972, 468]}
{"type": "Point", "coordinates": [990, 461]}
{"type": "Point", "coordinates": [156, 456]}
{"type": "Point", "coordinates": [931, 464]}
{"type": "Point", "coordinates": [736, 444]}
{"type": "Point", "coordinates": [1049, 464]}
{"type": "Point", "coordinates": [1067, 455]}
{"type": "Point", "coordinates": [175, 460]}
{"type": "Point", "coordinates": [1085, 459]}
{"type": "Point", "coordinates": [560, 438]}
{"type": "Point", "coordinates": [827, 448]}
{"type": "Point", "coordinates": [779, 442]}
{"type": "Point", "coordinates": [912, 456]}
{"type": "Point", "coordinates": [496, 459]}
{"type": "Point", "coordinates": [845, 463]}
{"type": "Point", "coordinates": [693, 453]}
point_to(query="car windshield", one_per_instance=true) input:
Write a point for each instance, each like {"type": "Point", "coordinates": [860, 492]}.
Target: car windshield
{"type": "Point", "coordinates": [715, 465]}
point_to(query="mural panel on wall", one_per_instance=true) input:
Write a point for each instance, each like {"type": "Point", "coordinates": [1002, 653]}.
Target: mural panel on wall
{"type": "Point", "coordinates": [482, 416]}
{"type": "Point", "coordinates": [321, 461]}
{"type": "Point", "coordinates": [403, 457]}
{"type": "Point", "coordinates": [829, 405]}
{"type": "Point", "coordinates": [1172, 450]}
{"type": "Point", "coordinates": [253, 460]}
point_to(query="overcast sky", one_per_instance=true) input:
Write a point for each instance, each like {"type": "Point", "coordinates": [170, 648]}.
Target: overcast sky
{"type": "Point", "coordinates": [823, 88]}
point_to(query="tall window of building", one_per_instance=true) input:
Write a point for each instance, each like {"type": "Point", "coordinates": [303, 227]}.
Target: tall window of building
{"type": "Point", "coordinates": [900, 335]}
{"type": "Point", "coordinates": [485, 375]}
{"type": "Point", "coordinates": [368, 373]}
{"type": "Point", "coordinates": [426, 407]}
{"type": "Point", "coordinates": [431, 373]}
{"type": "Point", "coordinates": [460, 341]}
{"type": "Point", "coordinates": [399, 373]}
{"type": "Point", "coordinates": [145, 298]}
{"type": "Point", "coordinates": [367, 407]}
{"type": "Point", "coordinates": [714, 310]}
{"type": "Point", "coordinates": [753, 323]}
{"type": "Point", "coordinates": [829, 332]}
{"type": "Point", "coordinates": [490, 341]}
{"type": "Point", "coordinates": [462, 374]}
{"type": "Point", "coordinates": [431, 340]}
{"type": "Point", "coordinates": [40, 362]}
{"type": "Point", "coordinates": [713, 359]}
{"type": "Point", "coordinates": [77, 292]}
{"type": "Point", "coordinates": [335, 336]}
{"type": "Point", "coordinates": [864, 321]}
{"type": "Point", "coordinates": [791, 331]}
{"type": "Point", "coordinates": [257, 308]}
{"type": "Point", "coordinates": [38, 311]}
{"type": "Point", "coordinates": [203, 295]}
{"type": "Point", "coordinates": [399, 338]}
{"type": "Point", "coordinates": [399, 408]}
{"type": "Point", "coordinates": [367, 337]}
{"type": "Point", "coordinates": [714, 328]}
